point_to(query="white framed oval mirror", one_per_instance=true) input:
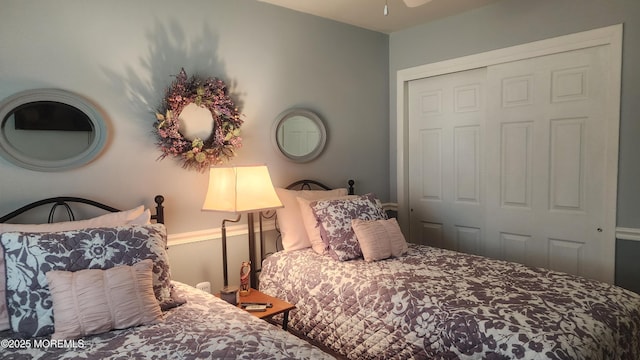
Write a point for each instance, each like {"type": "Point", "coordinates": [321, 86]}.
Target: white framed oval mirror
{"type": "Point", "coordinates": [299, 134]}
{"type": "Point", "coordinates": [50, 130]}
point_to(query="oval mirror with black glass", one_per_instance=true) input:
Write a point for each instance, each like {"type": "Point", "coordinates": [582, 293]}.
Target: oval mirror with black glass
{"type": "Point", "coordinates": [50, 130]}
{"type": "Point", "coordinates": [300, 135]}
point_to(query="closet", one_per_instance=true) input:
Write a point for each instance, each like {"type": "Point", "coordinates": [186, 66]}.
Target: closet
{"type": "Point", "coordinates": [512, 160]}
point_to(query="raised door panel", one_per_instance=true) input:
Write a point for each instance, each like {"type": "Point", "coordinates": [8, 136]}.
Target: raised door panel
{"type": "Point", "coordinates": [545, 163]}
{"type": "Point", "coordinates": [516, 164]}
{"type": "Point", "coordinates": [445, 170]}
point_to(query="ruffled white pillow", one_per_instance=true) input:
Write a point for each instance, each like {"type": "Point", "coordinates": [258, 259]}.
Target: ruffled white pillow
{"type": "Point", "coordinates": [379, 239]}
{"type": "Point", "coordinates": [89, 302]}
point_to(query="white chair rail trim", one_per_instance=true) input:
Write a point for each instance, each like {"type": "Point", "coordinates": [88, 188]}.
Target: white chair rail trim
{"type": "Point", "coordinates": [216, 233]}
{"type": "Point", "coordinates": [628, 234]}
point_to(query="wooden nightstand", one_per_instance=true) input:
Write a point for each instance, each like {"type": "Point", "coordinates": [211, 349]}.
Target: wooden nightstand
{"type": "Point", "coordinates": [279, 306]}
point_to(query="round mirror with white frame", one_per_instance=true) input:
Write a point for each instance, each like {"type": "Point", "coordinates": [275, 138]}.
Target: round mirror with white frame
{"type": "Point", "coordinates": [50, 130]}
{"type": "Point", "coordinates": [299, 134]}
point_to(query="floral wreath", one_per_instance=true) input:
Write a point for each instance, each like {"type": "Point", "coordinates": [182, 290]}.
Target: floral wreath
{"type": "Point", "coordinates": [198, 153]}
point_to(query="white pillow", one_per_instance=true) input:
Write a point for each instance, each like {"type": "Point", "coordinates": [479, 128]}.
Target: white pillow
{"type": "Point", "coordinates": [137, 215]}
{"type": "Point", "coordinates": [292, 227]}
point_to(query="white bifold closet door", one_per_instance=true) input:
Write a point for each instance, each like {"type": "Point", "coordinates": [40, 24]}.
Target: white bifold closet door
{"type": "Point", "coordinates": [508, 161]}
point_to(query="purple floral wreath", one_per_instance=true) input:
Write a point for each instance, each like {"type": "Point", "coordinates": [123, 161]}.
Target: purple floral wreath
{"type": "Point", "coordinates": [198, 154]}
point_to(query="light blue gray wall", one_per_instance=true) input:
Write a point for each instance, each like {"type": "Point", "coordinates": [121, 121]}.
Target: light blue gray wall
{"type": "Point", "coordinates": [513, 22]}
{"type": "Point", "coordinates": [121, 54]}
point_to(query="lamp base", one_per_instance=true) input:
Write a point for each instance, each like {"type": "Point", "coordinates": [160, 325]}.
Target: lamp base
{"type": "Point", "coordinates": [230, 294]}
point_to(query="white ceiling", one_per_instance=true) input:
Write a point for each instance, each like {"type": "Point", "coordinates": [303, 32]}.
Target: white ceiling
{"type": "Point", "coordinates": [368, 14]}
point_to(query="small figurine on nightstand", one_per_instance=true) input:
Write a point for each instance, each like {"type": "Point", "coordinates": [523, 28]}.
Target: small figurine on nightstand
{"type": "Point", "coordinates": [245, 269]}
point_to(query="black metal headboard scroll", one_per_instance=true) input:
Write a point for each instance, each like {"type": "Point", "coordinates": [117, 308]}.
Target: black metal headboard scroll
{"type": "Point", "coordinates": [65, 200]}
{"type": "Point", "coordinates": [309, 184]}
{"type": "Point", "coordinates": [159, 215]}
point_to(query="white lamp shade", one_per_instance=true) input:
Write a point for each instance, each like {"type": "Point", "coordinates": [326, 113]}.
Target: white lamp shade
{"type": "Point", "coordinates": [240, 189]}
{"type": "Point", "coordinates": [415, 3]}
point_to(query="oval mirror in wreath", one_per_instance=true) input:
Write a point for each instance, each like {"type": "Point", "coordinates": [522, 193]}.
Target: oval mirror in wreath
{"type": "Point", "coordinates": [50, 130]}
{"type": "Point", "coordinates": [300, 135]}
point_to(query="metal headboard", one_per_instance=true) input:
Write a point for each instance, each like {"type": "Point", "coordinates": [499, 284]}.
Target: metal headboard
{"type": "Point", "coordinates": [65, 200]}
{"type": "Point", "coordinates": [311, 184]}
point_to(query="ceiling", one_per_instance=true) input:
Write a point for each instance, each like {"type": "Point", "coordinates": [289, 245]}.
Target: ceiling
{"type": "Point", "coordinates": [368, 14]}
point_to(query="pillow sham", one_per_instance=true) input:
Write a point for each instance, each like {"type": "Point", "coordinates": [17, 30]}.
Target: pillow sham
{"type": "Point", "coordinates": [137, 215]}
{"type": "Point", "coordinates": [28, 256]}
{"type": "Point", "coordinates": [311, 224]}
{"type": "Point", "coordinates": [92, 301]}
{"type": "Point", "coordinates": [379, 239]}
{"type": "Point", "coordinates": [111, 219]}
{"type": "Point", "coordinates": [292, 228]}
{"type": "Point", "coordinates": [334, 217]}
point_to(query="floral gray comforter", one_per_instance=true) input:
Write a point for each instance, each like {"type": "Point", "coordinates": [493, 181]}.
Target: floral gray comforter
{"type": "Point", "coordinates": [203, 328]}
{"type": "Point", "coordinates": [439, 304]}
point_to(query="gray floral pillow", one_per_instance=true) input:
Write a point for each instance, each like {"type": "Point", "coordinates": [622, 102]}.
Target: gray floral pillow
{"type": "Point", "coordinates": [334, 219]}
{"type": "Point", "coordinates": [29, 256]}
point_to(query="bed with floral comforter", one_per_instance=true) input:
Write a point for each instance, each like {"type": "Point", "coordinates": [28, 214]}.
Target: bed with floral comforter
{"type": "Point", "coordinates": [439, 304]}
{"type": "Point", "coordinates": [101, 288]}
{"type": "Point", "coordinates": [205, 327]}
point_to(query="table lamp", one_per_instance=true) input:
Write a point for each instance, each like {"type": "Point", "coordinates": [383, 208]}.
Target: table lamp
{"type": "Point", "coordinates": [240, 189]}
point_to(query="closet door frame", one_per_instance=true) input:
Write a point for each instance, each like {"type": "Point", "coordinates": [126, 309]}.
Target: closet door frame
{"type": "Point", "coordinates": [611, 36]}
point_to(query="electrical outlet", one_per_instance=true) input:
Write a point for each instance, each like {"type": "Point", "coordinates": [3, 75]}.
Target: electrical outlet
{"type": "Point", "coordinates": [204, 286]}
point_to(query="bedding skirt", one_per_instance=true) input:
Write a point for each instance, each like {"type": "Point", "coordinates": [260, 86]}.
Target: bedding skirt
{"type": "Point", "coordinates": [439, 304]}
